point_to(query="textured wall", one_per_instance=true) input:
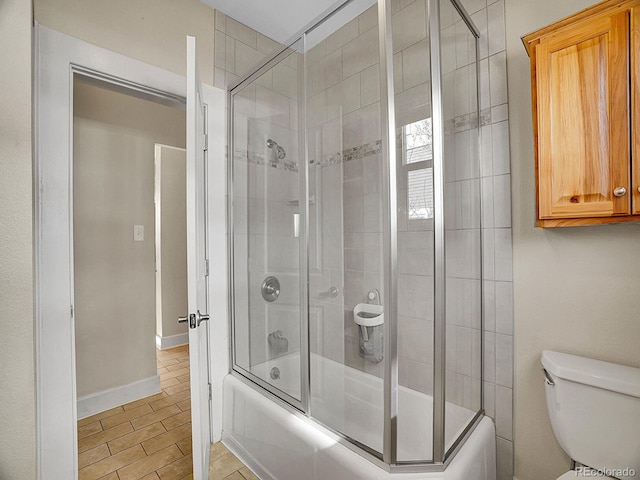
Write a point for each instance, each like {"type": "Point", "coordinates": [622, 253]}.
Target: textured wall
{"type": "Point", "coordinates": [17, 410]}
{"type": "Point", "coordinates": [576, 289]}
{"type": "Point", "coordinates": [114, 141]}
{"type": "Point", "coordinates": [153, 31]}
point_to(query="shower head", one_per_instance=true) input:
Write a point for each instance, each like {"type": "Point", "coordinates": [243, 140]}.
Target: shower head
{"type": "Point", "coordinates": [280, 152]}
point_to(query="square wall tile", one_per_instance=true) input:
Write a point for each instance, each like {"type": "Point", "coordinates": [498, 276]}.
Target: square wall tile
{"type": "Point", "coordinates": [503, 255]}
{"type": "Point", "coordinates": [415, 296]}
{"type": "Point", "coordinates": [487, 203]}
{"type": "Point", "coordinates": [370, 85]}
{"type": "Point", "coordinates": [498, 78]}
{"type": "Point", "coordinates": [368, 19]}
{"type": "Point", "coordinates": [220, 21]}
{"type": "Point", "coordinates": [485, 84]}
{"type": "Point", "coordinates": [504, 308]}
{"type": "Point", "coordinates": [415, 64]}
{"type": "Point", "coordinates": [472, 6]}
{"type": "Point", "coordinates": [360, 53]}
{"type": "Point", "coordinates": [496, 27]}
{"type": "Point", "coordinates": [341, 36]}
{"type": "Point", "coordinates": [241, 32]}
{"type": "Point", "coordinates": [502, 201]}
{"type": "Point", "coordinates": [489, 357]}
{"type": "Point", "coordinates": [489, 399]}
{"type": "Point", "coordinates": [480, 20]}
{"type": "Point", "coordinates": [504, 412]}
{"type": "Point", "coordinates": [409, 26]}
{"type": "Point", "coordinates": [504, 453]}
{"type": "Point", "coordinates": [500, 148]}
{"type": "Point", "coordinates": [415, 339]}
{"type": "Point", "coordinates": [504, 360]}
{"type": "Point", "coordinates": [488, 254]}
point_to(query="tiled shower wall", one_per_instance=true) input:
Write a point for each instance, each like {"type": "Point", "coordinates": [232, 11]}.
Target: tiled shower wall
{"type": "Point", "coordinates": [238, 48]}
{"type": "Point", "coordinates": [488, 15]}
{"type": "Point", "coordinates": [265, 189]}
{"type": "Point", "coordinates": [344, 131]}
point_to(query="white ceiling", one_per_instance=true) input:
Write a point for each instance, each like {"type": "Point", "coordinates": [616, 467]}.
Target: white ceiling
{"type": "Point", "coordinates": [277, 19]}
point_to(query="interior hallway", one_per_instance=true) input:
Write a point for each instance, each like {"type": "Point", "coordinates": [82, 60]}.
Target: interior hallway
{"type": "Point", "coordinates": [150, 438]}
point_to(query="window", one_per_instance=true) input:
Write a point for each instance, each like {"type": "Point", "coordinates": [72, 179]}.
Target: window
{"type": "Point", "coordinates": [417, 160]}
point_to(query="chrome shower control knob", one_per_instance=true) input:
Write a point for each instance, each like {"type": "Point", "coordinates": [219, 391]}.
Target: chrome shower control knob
{"type": "Point", "coordinates": [270, 289]}
{"type": "Point", "coordinates": [620, 191]}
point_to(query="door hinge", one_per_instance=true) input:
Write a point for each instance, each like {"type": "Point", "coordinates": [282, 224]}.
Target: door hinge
{"type": "Point", "coordinates": [209, 391]}
{"type": "Point", "coordinates": [206, 267]}
{"type": "Point", "coordinates": [71, 311]}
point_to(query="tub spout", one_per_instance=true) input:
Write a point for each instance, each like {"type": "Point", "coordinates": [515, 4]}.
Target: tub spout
{"type": "Point", "coordinates": [278, 343]}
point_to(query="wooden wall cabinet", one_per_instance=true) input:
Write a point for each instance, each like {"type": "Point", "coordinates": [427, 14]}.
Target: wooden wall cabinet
{"type": "Point", "coordinates": [585, 79]}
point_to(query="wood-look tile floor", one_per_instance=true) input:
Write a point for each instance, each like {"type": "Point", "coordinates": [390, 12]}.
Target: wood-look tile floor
{"type": "Point", "coordinates": [150, 438]}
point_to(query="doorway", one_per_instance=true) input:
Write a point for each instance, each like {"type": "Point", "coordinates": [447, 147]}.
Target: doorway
{"type": "Point", "coordinates": [133, 401]}
{"type": "Point", "coordinates": [58, 55]}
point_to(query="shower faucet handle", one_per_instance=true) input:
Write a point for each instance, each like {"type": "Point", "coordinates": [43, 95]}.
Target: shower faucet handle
{"type": "Point", "coordinates": [270, 289]}
{"type": "Point", "coordinates": [332, 293]}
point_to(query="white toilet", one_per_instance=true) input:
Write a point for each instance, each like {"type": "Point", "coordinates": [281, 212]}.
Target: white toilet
{"type": "Point", "coordinates": [594, 409]}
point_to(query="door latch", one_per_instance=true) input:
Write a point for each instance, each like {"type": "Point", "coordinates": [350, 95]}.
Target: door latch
{"type": "Point", "coordinates": [194, 319]}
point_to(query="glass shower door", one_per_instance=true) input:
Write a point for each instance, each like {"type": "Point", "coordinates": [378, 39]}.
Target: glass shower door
{"type": "Point", "coordinates": [343, 131]}
{"type": "Point", "coordinates": [266, 200]}
{"type": "Point", "coordinates": [463, 244]}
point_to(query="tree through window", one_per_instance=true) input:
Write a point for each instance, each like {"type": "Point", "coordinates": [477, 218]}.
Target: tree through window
{"type": "Point", "coordinates": [417, 155]}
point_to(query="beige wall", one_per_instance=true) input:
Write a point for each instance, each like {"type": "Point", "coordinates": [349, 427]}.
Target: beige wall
{"type": "Point", "coordinates": [17, 410]}
{"type": "Point", "coordinates": [114, 141]}
{"type": "Point", "coordinates": [576, 289]}
{"type": "Point", "coordinates": [171, 240]}
{"type": "Point", "coordinates": [152, 31]}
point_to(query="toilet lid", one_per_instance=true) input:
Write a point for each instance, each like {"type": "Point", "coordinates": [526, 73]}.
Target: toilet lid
{"type": "Point", "coordinates": [572, 475]}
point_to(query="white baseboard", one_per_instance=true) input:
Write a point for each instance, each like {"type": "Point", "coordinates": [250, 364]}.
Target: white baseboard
{"type": "Point", "coordinates": [113, 397]}
{"type": "Point", "coordinates": [173, 341]}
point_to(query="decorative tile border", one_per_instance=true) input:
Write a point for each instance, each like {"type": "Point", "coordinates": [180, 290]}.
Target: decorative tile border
{"type": "Point", "coordinates": [466, 122]}
{"type": "Point", "coordinates": [459, 124]}
{"type": "Point", "coordinates": [361, 151]}
{"type": "Point", "coordinates": [261, 159]}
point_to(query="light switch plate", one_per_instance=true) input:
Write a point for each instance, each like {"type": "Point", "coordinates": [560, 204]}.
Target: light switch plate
{"type": "Point", "coordinates": [138, 233]}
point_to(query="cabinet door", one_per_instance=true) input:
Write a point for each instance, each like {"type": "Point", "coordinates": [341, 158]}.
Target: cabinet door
{"type": "Point", "coordinates": [635, 109]}
{"type": "Point", "coordinates": [582, 80]}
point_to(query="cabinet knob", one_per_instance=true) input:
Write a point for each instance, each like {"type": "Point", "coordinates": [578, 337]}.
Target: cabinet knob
{"type": "Point", "coordinates": [620, 191]}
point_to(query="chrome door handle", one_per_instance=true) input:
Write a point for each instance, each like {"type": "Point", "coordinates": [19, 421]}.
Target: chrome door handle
{"type": "Point", "coordinates": [194, 319]}
{"type": "Point", "coordinates": [201, 317]}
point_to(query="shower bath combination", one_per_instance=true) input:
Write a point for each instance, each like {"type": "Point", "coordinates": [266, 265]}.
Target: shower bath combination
{"type": "Point", "coordinates": [374, 340]}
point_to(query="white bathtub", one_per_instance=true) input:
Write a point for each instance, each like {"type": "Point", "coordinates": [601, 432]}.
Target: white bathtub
{"type": "Point", "coordinates": [280, 445]}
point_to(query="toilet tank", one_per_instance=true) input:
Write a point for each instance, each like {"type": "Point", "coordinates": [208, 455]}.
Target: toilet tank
{"type": "Point", "coordinates": [594, 408]}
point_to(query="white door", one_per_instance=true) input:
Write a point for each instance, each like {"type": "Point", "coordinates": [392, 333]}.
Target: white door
{"type": "Point", "coordinates": [197, 267]}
